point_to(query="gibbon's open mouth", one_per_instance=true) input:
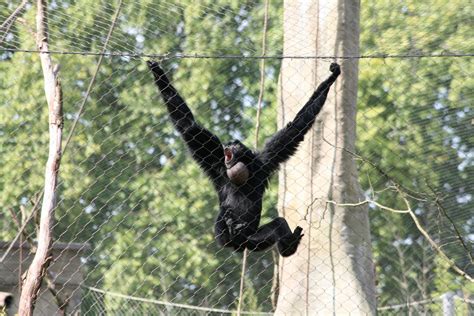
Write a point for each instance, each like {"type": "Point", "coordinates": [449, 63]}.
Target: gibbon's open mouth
{"type": "Point", "coordinates": [228, 154]}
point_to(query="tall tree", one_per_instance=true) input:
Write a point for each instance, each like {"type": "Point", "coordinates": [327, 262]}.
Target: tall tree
{"type": "Point", "coordinates": [119, 191]}
{"type": "Point", "coordinates": [332, 273]}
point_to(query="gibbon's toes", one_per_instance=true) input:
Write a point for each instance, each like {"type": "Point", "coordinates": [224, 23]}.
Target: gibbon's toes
{"type": "Point", "coordinates": [288, 245]}
{"type": "Point", "coordinates": [297, 231]}
{"type": "Point", "coordinates": [335, 68]}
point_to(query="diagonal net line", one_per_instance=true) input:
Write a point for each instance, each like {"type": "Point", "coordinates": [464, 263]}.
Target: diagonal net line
{"type": "Point", "coordinates": [411, 274]}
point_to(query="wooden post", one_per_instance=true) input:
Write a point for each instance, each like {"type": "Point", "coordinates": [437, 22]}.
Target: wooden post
{"type": "Point", "coordinates": [52, 88]}
{"type": "Point", "coordinates": [332, 272]}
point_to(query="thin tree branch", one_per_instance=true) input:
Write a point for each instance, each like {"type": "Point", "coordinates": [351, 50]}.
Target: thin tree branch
{"type": "Point", "coordinates": [383, 207]}
{"type": "Point", "coordinates": [257, 130]}
{"type": "Point", "coordinates": [94, 76]}
{"type": "Point", "coordinates": [62, 304]}
{"type": "Point", "coordinates": [7, 24]}
{"type": "Point", "coordinates": [438, 249]}
{"type": "Point", "coordinates": [405, 193]}
{"type": "Point", "coordinates": [52, 87]}
{"type": "Point", "coordinates": [262, 73]}
{"type": "Point", "coordinates": [22, 228]}
{"type": "Point", "coordinates": [242, 278]}
{"type": "Point", "coordinates": [23, 22]}
{"type": "Point", "coordinates": [456, 230]}
{"type": "Point", "coordinates": [413, 194]}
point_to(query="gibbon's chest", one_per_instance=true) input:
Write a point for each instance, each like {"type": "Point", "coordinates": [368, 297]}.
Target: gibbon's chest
{"type": "Point", "coordinates": [240, 197]}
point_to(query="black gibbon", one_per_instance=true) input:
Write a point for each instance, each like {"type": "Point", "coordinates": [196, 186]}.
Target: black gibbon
{"type": "Point", "coordinates": [240, 175]}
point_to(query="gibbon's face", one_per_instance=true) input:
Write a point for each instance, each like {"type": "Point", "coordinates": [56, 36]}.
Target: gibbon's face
{"type": "Point", "coordinates": [237, 156]}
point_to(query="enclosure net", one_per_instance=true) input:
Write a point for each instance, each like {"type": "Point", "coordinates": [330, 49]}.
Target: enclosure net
{"type": "Point", "coordinates": [133, 231]}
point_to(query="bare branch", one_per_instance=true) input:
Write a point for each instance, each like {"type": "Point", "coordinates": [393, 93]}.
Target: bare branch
{"type": "Point", "coordinates": [52, 87]}
{"type": "Point", "coordinates": [262, 74]}
{"type": "Point", "coordinates": [257, 130]}
{"type": "Point", "coordinates": [92, 82]}
{"type": "Point", "coordinates": [21, 229]}
{"type": "Point", "coordinates": [28, 27]}
{"type": "Point", "coordinates": [383, 207]}
{"type": "Point", "coordinates": [413, 194]}
{"type": "Point", "coordinates": [443, 255]}
{"type": "Point", "coordinates": [61, 303]}
{"type": "Point", "coordinates": [404, 194]}
{"type": "Point", "coordinates": [443, 211]}
{"type": "Point", "coordinates": [7, 24]}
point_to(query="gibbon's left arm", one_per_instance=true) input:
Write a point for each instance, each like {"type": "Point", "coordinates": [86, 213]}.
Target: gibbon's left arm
{"type": "Point", "coordinates": [285, 142]}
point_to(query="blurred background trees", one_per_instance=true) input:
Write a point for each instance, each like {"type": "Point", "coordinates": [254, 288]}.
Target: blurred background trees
{"type": "Point", "coordinates": [129, 188]}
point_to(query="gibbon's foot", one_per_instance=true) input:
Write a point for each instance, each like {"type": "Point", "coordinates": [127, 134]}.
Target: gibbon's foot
{"type": "Point", "coordinates": [288, 245]}
{"type": "Point", "coordinates": [297, 232]}
{"type": "Point", "coordinates": [335, 69]}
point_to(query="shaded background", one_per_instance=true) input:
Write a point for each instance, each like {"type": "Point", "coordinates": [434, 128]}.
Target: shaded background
{"type": "Point", "coordinates": [130, 190]}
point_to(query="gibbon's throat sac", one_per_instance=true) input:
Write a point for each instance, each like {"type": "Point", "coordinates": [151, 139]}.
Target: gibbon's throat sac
{"type": "Point", "coordinates": [238, 173]}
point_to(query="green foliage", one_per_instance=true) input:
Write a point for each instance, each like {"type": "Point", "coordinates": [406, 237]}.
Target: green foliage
{"type": "Point", "coordinates": [414, 122]}
{"type": "Point", "coordinates": [130, 190]}
{"type": "Point", "coordinates": [128, 186]}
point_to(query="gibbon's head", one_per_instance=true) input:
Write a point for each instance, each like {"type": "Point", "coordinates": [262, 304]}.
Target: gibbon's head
{"type": "Point", "coordinates": [237, 159]}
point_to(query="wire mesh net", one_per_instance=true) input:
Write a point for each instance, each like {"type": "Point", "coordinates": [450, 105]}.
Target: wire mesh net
{"type": "Point", "coordinates": [133, 230]}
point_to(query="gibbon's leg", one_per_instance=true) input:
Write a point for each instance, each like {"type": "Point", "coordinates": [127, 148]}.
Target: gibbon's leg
{"type": "Point", "coordinates": [277, 231]}
{"type": "Point", "coordinates": [221, 230]}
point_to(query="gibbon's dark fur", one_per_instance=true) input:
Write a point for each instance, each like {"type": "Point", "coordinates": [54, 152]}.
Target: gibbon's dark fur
{"type": "Point", "coordinates": [240, 175]}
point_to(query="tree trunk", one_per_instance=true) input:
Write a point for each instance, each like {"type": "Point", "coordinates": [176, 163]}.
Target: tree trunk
{"type": "Point", "coordinates": [52, 87]}
{"type": "Point", "coordinates": [332, 271]}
